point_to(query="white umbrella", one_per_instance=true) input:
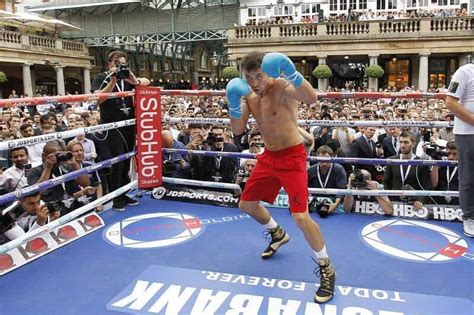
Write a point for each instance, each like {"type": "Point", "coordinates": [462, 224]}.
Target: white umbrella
{"type": "Point", "coordinates": [35, 20]}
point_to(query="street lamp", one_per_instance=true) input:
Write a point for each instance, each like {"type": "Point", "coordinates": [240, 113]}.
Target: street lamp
{"type": "Point", "coordinates": [215, 60]}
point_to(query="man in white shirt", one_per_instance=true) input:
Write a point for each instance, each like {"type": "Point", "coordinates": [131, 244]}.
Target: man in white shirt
{"type": "Point", "coordinates": [460, 101]}
{"type": "Point", "coordinates": [14, 177]}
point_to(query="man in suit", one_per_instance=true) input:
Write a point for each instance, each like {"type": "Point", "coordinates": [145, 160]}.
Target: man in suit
{"type": "Point", "coordinates": [391, 144]}
{"type": "Point", "coordinates": [407, 177]}
{"type": "Point", "coordinates": [364, 147]}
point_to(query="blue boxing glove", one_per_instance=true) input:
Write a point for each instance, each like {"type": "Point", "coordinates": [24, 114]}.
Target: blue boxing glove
{"type": "Point", "coordinates": [235, 89]}
{"type": "Point", "coordinates": [274, 64]}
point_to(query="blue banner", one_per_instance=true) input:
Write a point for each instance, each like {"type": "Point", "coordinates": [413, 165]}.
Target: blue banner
{"type": "Point", "coordinates": [162, 289]}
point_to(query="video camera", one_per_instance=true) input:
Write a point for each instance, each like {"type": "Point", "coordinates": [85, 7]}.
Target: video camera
{"type": "Point", "coordinates": [360, 180]}
{"type": "Point", "coordinates": [436, 152]}
{"type": "Point", "coordinates": [320, 207]}
{"type": "Point", "coordinates": [123, 71]}
{"type": "Point", "coordinates": [14, 211]}
{"type": "Point", "coordinates": [211, 139]}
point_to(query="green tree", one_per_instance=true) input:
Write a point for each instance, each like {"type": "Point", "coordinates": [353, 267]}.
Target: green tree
{"type": "Point", "coordinates": [3, 79]}
{"type": "Point", "coordinates": [230, 73]}
{"type": "Point", "coordinates": [374, 71]}
{"type": "Point", "coordinates": [322, 72]}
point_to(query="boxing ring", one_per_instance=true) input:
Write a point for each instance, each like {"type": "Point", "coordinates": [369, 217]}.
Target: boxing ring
{"type": "Point", "coordinates": [173, 257]}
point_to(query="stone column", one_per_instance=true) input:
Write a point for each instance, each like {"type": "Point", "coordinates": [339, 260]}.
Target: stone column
{"type": "Point", "coordinates": [322, 83]}
{"type": "Point", "coordinates": [87, 80]}
{"type": "Point", "coordinates": [27, 86]}
{"type": "Point", "coordinates": [373, 82]}
{"type": "Point", "coordinates": [423, 72]}
{"type": "Point", "coordinates": [60, 79]}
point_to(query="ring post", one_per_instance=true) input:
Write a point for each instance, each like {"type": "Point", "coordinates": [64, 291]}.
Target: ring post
{"type": "Point", "coordinates": [149, 146]}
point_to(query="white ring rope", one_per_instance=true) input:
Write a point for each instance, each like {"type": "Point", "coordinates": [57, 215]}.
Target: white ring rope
{"type": "Point", "coordinates": [7, 145]}
{"type": "Point", "coordinates": [66, 218]}
{"type": "Point", "coordinates": [324, 123]}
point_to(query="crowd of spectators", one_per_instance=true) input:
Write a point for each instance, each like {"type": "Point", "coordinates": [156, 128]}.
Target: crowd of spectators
{"type": "Point", "coordinates": [361, 15]}
{"type": "Point", "coordinates": [38, 162]}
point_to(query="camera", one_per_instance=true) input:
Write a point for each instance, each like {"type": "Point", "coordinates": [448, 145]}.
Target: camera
{"type": "Point", "coordinates": [63, 156]}
{"type": "Point", "coordinates": [320, 207]}
{"type": "Point", "coordinates": [54, 206]}
{"type": "Point", "coordinates": [244, 174]}
{"type": "Point", "coordinates": [360, 180]}
{"type": "Point", "coordinates": [169, 166]}
{"type": "Point", "coordinates": [407, 199]}
{"type": "Point", "coordinates": [211, 139]}
{"type": "Point", "coordinates": [435, 151]}
{"type": "Point", "coordinates": [8, 220]}
{"type": "Point", "coordinates": [123, 71]}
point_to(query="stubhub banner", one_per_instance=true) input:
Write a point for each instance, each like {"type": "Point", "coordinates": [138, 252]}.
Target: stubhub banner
{"type": "Point", "coordinates": [169, 290]}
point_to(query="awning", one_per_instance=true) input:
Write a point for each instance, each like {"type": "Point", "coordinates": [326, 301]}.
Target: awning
{"type": "Point", "coordinates": [35, 20]}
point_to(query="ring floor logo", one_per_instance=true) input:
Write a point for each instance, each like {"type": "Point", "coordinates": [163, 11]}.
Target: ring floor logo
{"type": "Point", "coordinates": [415, 241]}
{"type": "Point", "coordinates": [170, 290]}
{"type": "Point", "coordinates": [155, 230]}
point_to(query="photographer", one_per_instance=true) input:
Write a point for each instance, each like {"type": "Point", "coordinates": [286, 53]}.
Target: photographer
{"type": "Point", "coordinates": [407, 177]}
{"type": "Point", "coordinates": [219, 169]}
{"type": "Point", "coordinates": [243, 175]}
{"type": "Point", "coordinates": [256, 145]}
{"type": "Point", "coordinates": [175, 164]}
{"type": "Point", "coordinates": [77, 150]}
{"type": "Point", "coordinates": [326, 175]}
{"type": "Point", "coordinates": [446, 177]}
{"type": "Point", "coordinates": [118, 78]}
{"type": "Point", "coordinates": [361, 179]}
{"type": "Point", "coordinates": [196, 142]}
{"type": "Point", "coordinates": [55, 164]}
{"type": "Point", "coordinates": [26, 215]}
{"type": "Point", "coordinates": [14, 178]}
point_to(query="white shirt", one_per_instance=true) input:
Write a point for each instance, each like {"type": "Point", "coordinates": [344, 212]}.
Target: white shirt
{"type": "Point", "coordinates": [462, 88]}
{"type": "Point", "coordinates": [35, 152]}
{"type": "Point", "coordinates": [10, 178]}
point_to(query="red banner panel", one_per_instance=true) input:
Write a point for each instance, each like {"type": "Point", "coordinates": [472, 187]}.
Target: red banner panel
{"type": "Point", "coordinates": [149, 147]}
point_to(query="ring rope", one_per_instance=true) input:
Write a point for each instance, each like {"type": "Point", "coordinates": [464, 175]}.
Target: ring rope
{"type": "Point", "coordinates": [324, 123]}
{"type": "Point", "coordinates": [7, 145]}
{"type": "Point", "coordinates": [323, 191]}
{"type": "Point", "coordinates": [40, 187]}
{"type": "Point", "coordinates": [30, 101]}
{"type": "Point", "coordinates": [66, 218]}
{"type": "Point", "coordinates": [33, 101]}
{"type": "Point", "coordinates": [345, 160]}
{"type": "Point", "coordinates": [324, 95]}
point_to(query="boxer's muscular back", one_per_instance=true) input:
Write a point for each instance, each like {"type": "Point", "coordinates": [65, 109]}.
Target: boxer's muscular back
{"type": "Point", "coordinates": [276, 116]}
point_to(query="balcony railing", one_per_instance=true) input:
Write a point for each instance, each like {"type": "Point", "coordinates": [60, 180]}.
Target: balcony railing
{"type": "Point", "coordinates": [369, 29]}
{"type": "Point", "coordinates": [17, 40]}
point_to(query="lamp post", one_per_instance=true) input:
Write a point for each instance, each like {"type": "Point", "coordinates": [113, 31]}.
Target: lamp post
{"type": "Point", "coordinates": [215, 60]}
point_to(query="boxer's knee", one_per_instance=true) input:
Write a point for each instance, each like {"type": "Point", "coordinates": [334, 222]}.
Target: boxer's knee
{"type": "Point", "coordinates": [248, 206]}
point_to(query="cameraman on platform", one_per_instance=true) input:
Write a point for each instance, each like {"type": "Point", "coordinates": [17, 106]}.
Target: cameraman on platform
{"type": "Point", "coordinates": [326, 175]}
{"type": "Point", "coordinates": [26, 215]}
{"type": "Point", "coordinates": [57, 163]}
{"type": "Point", "coordinates": [118, 78]}
{"type": "Point", "coordinates": [445, 177]}
{"type": "Point", "coordinates": [362, 180]}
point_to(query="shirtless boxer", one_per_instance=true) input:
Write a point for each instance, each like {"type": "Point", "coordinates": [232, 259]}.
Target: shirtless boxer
{"type": "Point", "coordinates": [271, 92]}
